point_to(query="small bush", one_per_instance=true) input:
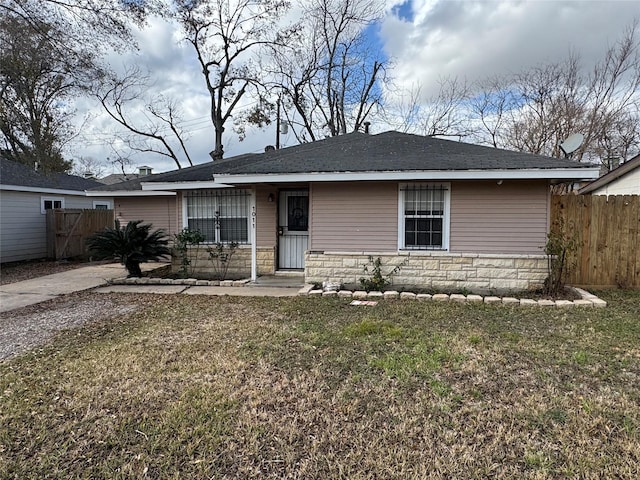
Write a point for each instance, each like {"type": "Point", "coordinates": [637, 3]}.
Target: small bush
{"type": "Point", "coordinates": [377, 281]}
{"type": "Point", "coordinates": [187, 245]}
{"type": "Point", "coordinates": [220, 256]}
{"type": "Point", "coordinates": [131, 245]}
{"type": "Point", "coordinates": [560, 244]}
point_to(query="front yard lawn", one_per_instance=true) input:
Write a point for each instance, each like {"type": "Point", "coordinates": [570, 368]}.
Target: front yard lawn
{"type": "Point", "coordinates": [205, 387]}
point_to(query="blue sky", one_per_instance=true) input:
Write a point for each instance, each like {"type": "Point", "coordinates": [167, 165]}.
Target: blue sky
{"type": "Point", "coordinates": [426, 39]}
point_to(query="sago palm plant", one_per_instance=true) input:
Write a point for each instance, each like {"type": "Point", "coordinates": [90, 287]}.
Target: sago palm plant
{"type": "Point", "coordinates": [131, 245]}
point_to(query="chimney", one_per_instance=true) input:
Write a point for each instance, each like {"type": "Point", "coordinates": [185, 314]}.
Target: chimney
{"type": "Point", "coordinates": [366, 127]}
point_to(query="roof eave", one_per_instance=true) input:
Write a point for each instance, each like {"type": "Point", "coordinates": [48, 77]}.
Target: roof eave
{"type": "Point", "coordinates": [129, 193]}
{"type": "Point", "coordinates": [196, 185]}
{"type": "Point", "coordinates": [586, 173]}
{"type": "Point", "coordinates": [55, 191]}
{"type": "Point", "coordinates": [612, 176]}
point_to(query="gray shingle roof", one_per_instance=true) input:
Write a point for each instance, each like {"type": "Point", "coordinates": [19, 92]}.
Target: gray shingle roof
{"type": "Point", "coordinates": [196, 173]}
{"type": "Point", "coordinates": [117, 178]}
{"type": "Point", "coordinates": [17, 174]}
{"type": "Point", "coordinates": [388, 152]}
{"type": "Point", "coordinates": [359, 152]}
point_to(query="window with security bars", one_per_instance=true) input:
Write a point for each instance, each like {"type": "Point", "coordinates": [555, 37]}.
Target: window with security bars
{"type": "Point", "coordinates": [221, 216]}
{"type": "Point", "coordinates": [424, 216]}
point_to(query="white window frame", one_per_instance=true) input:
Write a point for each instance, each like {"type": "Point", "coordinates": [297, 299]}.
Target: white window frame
{"type": "Point", "coordinates": [445, 216]}
{"type": "Point", "coordinates": [50, 199]}
{"type": "Point", "coordinates": [97, 203]}
{"type": "Point", "coordinates": [215, 207]}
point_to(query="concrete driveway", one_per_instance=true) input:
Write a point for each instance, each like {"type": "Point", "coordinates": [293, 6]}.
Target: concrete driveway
{"type": "Point", "coordinates": [36, 290]}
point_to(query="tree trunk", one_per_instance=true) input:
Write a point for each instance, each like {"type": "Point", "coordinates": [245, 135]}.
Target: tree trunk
{"type": "Point", "coordinates": [133, 268]}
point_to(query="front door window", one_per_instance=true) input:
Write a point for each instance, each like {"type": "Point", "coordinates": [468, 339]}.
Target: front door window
{"type": "Point", "coordinates": [298, 214]}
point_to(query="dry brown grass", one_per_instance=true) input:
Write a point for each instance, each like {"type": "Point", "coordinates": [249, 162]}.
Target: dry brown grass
{"type": "Point", "coordinates": [201, 387]}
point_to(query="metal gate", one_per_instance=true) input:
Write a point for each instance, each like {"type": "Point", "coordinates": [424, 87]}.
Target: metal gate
{"type": "Point", "coordinates": [293, 228]}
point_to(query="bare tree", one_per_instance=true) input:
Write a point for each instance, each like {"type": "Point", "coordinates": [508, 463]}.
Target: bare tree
{"type": "Point", "coordinates": [443, 114]}
{"type": "Point", "coordinates": [491, 106]}
{"type": "Point", "coordinates": [51, 54]}
{"type": "Point", "coordinates": [89, 167]}
{"type": "Point", "coordinates": [613, 98]}
{"type": "Point", "coordinates": [74, 27]}
{"type": "Point", "coordinates": [535, 110]}
{"type": "Point", "coordinates": [403, 107]}
{"type": "Point", "coordinates": [224, 35]}
{"type": "Point", "coordinates": [35, 87]}
{"type": "Point", "coordinates": [328, 74]}
{"type": "Point", "coordinates": [155, 127]}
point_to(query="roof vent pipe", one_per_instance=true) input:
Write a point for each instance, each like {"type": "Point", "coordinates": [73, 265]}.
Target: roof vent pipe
{"type": "Point", "coordinates": [366, 127]}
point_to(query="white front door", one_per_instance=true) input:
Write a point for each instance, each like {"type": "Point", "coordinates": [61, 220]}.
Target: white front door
{"type": "Point", "coordinates": [293, 228]}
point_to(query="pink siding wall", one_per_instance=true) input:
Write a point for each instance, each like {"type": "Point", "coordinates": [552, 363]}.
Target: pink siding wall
{"type": "Point", "coordinates": [491, 218]}
{"type": "Point", "coordinates": [354, 216]}
{"type": "Point", "coordinates": [266, 222]}
{"type": "Point", "coordinates": [159, 211]}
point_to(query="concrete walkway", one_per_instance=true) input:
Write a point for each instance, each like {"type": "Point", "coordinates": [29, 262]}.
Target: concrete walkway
{"type": "Point", "coordinates": [29, 292]}
{"type": "Point", "coordinates": [41, 289]}
{"type": "Point", "coordinates": [248, 291]}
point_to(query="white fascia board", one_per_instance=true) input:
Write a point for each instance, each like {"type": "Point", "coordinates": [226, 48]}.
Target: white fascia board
{"type": "Point", "coordinates": [130, 193]}
{"type": "Point", "coordinates": [54, 191]}
{"type": "Point", "coordinates": [529, 174]}
{"type": "Point", "coordinates": [154, 186]}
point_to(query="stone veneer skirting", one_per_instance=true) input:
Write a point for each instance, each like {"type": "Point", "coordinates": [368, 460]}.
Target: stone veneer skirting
{"type": "Point", "coordinates": [433, 270]}
{"type": "Point", "coordinates": [240, 266]}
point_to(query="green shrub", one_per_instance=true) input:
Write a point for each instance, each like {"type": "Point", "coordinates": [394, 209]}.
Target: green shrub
{"type": "Point", "coordinates": [377, 281]}
{"type": "Point", "coordinates": [187, 245]}
{"type": "Point", "coordinates": [131, 245]}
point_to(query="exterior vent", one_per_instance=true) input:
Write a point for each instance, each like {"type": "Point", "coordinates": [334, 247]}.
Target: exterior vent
{"type": "Point", "coordinates": [144, 171]}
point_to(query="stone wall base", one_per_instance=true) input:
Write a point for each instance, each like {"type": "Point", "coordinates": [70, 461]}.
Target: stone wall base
{"type": "Point", "coordinates": [239, 267]}
{"type": "Point", "coordinates": [478, 273]}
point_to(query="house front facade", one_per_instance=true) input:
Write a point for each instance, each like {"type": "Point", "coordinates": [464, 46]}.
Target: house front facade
{"type": "Point", "coordinates": [450, 215]}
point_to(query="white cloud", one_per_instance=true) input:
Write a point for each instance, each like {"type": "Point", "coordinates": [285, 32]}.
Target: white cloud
{"type": "Point", "coordinates": [430, 40]}
{"type": "Point", "coordinates": [475, 39]}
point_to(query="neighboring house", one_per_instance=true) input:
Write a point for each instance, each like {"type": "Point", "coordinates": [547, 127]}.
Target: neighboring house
{"type": "Point", "coordinates": [25, 196]}
{"type": "Point", "coordinates": [462, 216]}
{"type": "Point", "coordinates": [624, 180]}
{"type": "Point", "coordinates": [125, 177]}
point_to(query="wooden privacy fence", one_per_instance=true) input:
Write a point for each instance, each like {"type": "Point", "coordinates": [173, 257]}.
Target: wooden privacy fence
{"type": "Point", "coordinates": [606, 231]}
{"type": "Point", "coordinates": [68, 229]}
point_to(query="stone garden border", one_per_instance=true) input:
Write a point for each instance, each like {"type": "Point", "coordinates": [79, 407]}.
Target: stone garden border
{"type": "Point", "coordinates": [586, 299]}
{"type": "Point", "coordinates": [179, 281]}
